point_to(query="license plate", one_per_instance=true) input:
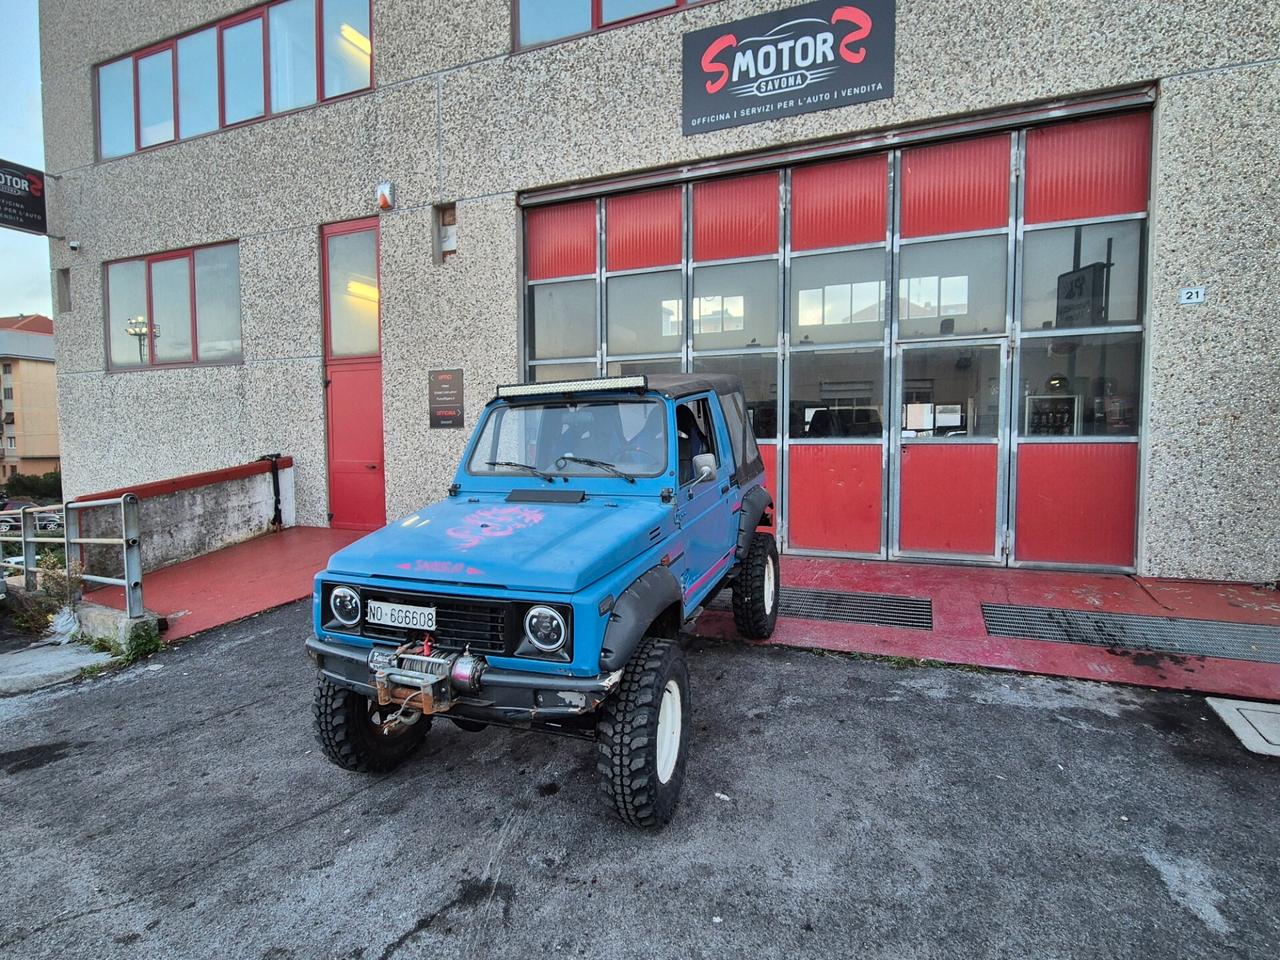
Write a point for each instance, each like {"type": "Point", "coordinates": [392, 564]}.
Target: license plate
{"type": "Point", "coordinates": [400, 615]}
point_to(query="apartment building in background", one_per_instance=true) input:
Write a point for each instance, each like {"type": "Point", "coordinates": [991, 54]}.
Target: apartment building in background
{"type": "Point", "coordinates": [30, 396]}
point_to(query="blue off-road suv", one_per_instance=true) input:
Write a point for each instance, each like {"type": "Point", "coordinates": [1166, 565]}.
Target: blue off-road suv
{"type": "Point", "coordinates": [589, 521]}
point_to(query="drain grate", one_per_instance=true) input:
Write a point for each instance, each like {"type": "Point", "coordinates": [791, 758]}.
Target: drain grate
{"type": "Point", "coordinates": [1195, 638]}
{"type": "Point", "coordinates": [878, 609]}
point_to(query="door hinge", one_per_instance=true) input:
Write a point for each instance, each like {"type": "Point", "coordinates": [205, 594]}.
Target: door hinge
{"type": "Point", "coordinates": [1006, 543]}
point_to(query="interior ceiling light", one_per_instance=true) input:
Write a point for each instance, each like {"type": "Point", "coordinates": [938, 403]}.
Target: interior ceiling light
{"type": "Point", "coordinates": [365, 291]}
{"type": "Point", "coordinates": [356, 39]}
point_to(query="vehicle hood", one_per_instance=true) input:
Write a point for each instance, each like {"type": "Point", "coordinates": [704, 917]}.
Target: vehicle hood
{"type": "Point", "coordinates": [486, 541]}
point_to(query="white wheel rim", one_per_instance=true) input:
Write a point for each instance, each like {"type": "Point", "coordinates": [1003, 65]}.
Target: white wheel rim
{"type": "Point", "coordinates": [770, 586]}
{"type": "Point", "coordinates": [669, 721]}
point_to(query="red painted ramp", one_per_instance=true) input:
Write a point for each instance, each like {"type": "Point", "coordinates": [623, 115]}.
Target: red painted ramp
{"type": "Point", "coordinates": [235, 582]}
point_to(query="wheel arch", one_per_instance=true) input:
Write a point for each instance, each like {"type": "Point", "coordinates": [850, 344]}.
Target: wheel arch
{"type": "Point", "coordinates": [653, 598]}
{"type": "Point", "coordinates": [754, 504]}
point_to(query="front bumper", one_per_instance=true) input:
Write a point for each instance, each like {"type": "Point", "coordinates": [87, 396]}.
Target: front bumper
{"type": "Point", "coordinates": [498, 695]}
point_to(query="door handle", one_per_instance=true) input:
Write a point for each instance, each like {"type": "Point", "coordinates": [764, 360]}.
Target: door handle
{"type": "Point", "coordinates": [724, 488]}
{"type": "Point", "coordinates": [371, 466]}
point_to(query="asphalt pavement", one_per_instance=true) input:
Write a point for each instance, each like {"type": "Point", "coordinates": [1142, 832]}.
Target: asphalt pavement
{"type": "Point", "coordinates": [835, 807]}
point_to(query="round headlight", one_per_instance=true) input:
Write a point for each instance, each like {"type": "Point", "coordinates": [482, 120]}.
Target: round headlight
{"type": "Point", "coordinates": [545, 629]}
{"type": "Point", "coordinates": [345, 604]}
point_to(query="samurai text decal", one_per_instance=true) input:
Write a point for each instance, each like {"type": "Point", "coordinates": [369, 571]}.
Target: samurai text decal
{"type": "Point", "coordinates": [812, 57]}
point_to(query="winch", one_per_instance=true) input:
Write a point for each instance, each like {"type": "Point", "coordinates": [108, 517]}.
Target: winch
{"type": "Point", "coordinates": [428, 682]}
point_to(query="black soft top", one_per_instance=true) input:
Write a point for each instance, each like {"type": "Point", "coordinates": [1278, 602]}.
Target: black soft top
{"type": "Point", "coordinates": [676, 385]}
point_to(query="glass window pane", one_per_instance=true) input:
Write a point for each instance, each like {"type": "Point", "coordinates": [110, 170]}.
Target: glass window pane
{"type": "Point", "coordinates": [837, 393]}
{"type": "Point", "coordinates": [198, 83]}
{"type": "Point", "coordinates": [348, 49]}
{"type": "Point", "coordinates": [218, 303]}
{"type": "Point", "coordinates": [171, 310]}
{"type": "Point", "coordinates": [353, 294]}
{"type": "Point", "coordinates": [1085, 276]}
{"type": "Point", "coordinates": [611, 10]}
{"type": "Point", "coordinates": [759, 375]}
{"type": "Point", "coordinates": [735, 305]}
{"type": "Point", "coordinates": [951, 392]}
{"type": "Point", "coordinates": [1080, 386]}
{"type": "Point", "coordinates": [543, 20]}
{"type": "Point", "coordinates": [646, 313]}
{"type": "Point", "coordinates": [563, 371]}
{"type": "Point", "coordinates": [155, 98]}
{"type": "Point", "coordinates": [562, 321]}
{"type": "Point", "coordinates": [115, 108]}
{"type": "Point", "coordinates": [837, 297]}
{"type": "Point", "coordinates": [632, 368]}
{"type": "Point", "coordinates": [292, 33]}
{"type": "Point", "coordinates": [242, 70]}
{"type": "Point", "coordinates": [127, 313]}
{"type": "Point", "coordinates": [953, 287]}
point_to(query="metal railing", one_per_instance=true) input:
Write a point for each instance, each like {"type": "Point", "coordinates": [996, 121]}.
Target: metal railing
{"type": "Point", "coordinates": [33, 520]}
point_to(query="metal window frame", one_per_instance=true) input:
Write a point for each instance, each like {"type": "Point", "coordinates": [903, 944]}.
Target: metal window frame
{"type": "Point", "coordinates": [147, 260]}
{"type": "Point", "coordinates": [1015, 122]}
{"type": "Point", "coordinates": [598, 23]}
{"type": "Point", "coordinates": [261, 10]}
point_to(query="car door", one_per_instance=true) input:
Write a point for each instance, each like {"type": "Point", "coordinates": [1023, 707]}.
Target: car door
{"type": "Point", "coordinates": [702, 508]}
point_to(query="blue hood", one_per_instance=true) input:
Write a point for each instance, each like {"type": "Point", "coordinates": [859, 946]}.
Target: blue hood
{"type": "Point", "coordinates": [485, 541]}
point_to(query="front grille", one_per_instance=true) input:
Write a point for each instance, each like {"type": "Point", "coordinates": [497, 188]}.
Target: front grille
{"type": "Point", "coordinates": [478, 624]}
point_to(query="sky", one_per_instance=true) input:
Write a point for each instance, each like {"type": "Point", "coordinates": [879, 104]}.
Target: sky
{"type": "Point", "coordinates": [24, 258]}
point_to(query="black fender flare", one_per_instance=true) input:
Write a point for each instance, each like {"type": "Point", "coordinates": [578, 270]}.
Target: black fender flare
{"type": "Point", "coordinates": [754, 503]}
{"type": "Point", "coordinates": [649, 595]}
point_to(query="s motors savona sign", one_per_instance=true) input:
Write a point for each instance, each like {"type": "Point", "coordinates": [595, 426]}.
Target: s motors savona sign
{"type": "Point", "coordinates": [22, 198]}
{"type": "Point", "coordinates": [813, 57]}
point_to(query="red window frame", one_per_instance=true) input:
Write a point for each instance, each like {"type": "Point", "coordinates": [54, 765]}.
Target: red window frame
{"type": "Point", "coordinates": [363, 225]}
{"type": "Point", "coordinates": [262, 11]}
{"type": "Point", "coordinates": [598, 22]}
{"type": "Point", "coordinates": [189, 254]}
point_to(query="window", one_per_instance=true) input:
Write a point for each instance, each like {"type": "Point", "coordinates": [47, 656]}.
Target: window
{"type": "Point", "coordinates": [11, 442]}
{"type": "Point", "coordinates": [953, 288]}
{"type": "Point", "coordinates": [268, 60]}
{"type": "Point", "coordinates": [563, 320]}
{"type": "Point", "coordinates": [735, 305]}
{"type": "Point", "coordinates": [695, 435]}
{"type": "Point", "coordinates": [8, 368]}
{"type": "Point", "coordinates": [646, 313]}
{"type": "Point", "coordinates": [837, 297]}
{"type": "Point", "coordinates": [1080, 386]}
{"type": "Point", "coordinates": [837, 393]}
{"type": "Point", "coordinates": [1082, 276]}
{"type": "Point", "coordinates": [542, 21]}
{"type": "Point", "coordinates": [8, 391]}
{"type": "Point", "coordinates": [352, 294]}
{"type": "Point", "coordinates": [177, 308]}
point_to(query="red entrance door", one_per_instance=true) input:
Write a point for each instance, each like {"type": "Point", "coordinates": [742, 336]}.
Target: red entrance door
{"type": "Point", "coordinates": [353, 374]}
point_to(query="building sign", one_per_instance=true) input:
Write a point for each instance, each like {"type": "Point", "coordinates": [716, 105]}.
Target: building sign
{"type": "Point", "coordinates": [444, 398]}
{"type": "Point", "coordinates": [813, 57]}
{"type": "Point", "coordinates": [22, 198]}
{"type": "Point", "coordinates": [1082, 297]}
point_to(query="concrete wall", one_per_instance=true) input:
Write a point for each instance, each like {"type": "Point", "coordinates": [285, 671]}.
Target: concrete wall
{"type": "Point", "coordinates": [190, 523]}
{"type": "Point", "coordinates": [456, 118]}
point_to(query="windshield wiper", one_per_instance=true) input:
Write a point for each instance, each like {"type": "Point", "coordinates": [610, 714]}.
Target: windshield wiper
{"type": "Point", "coordinates": [603, 464]}
{"type": "Point", "coordinates": [522, 466]}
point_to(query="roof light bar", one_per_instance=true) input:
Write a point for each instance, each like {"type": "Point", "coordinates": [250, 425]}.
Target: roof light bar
{"type": "Point", "coordinates": [640, 383]}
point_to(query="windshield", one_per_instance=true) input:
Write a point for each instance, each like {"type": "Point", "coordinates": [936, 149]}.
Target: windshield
{"type": "Point", "coordinates": [594, 438]}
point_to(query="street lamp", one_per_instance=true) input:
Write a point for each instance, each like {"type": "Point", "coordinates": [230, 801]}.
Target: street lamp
{"type": "Point", "coordinates": [137, 327]}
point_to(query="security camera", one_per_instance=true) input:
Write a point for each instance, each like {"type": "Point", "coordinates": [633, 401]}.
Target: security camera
{"type": "Point", "coordinates": [73, 245]}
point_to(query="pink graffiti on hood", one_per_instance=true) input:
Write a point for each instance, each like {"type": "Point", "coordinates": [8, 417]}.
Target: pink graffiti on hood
{"type": "Point", "coordinates": [493, 522]}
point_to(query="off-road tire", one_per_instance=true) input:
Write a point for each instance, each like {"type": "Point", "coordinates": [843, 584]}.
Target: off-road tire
{"type": "Point", "coordinates": [351, 739]}
{"type": "Point", "coordinates": [627, 736]}
{"type": "Point", "coordinates": [754, 617]}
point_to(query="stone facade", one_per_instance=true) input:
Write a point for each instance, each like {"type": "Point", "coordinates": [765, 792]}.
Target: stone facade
{"type": "Point", "coordinates": [455, 117]}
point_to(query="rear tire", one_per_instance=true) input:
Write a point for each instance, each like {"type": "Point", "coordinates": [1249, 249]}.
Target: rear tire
{"type": "Point", "coordinates": [643, 735]}
{"type": "Point", "coordinates": [348, 727]}
{"type": "Point", "coordinates": [755, 591]}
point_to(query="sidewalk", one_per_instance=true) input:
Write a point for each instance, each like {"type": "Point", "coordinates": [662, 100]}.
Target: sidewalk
{"type": "Point", "coordinates": [1175, 634]}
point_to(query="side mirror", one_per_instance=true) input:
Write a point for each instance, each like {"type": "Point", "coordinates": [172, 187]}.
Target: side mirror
{"type": "Point", "coordinates": [704, 467]}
